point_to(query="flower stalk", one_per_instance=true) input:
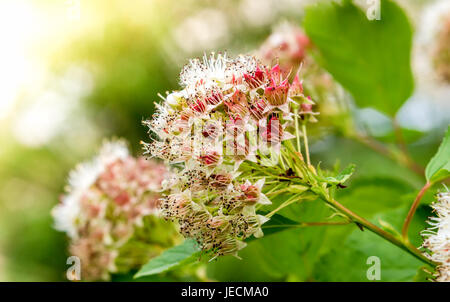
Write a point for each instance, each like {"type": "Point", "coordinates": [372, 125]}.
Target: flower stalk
{"type": "Point", "coordinates": [288, 202]}
{"type": "Point", "coordinates": [297, 131]}
{"type": "Point", "coordinates": [413, 209]}
{"type": "Point", "coordinates": [305, 138]}
{"type": "Point", "coordinates": [325, 195]}
{"type": "Point", "coordinates": [401, 243]}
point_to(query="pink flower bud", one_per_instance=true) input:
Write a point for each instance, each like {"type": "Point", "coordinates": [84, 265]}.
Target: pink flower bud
{"type": "Point", "coordinates": [220, 180]}
{"type": "Point", "coordinates": [122, 199]}
{"type": "Point", "coordinates": [237, 103]}
{"type": "Point", "coordinates": [214, 222]}
{"type": "Point", "coordinates": [277, 95]}
{"type": "Point", "coordinates": [210, 159]}
{"type": "Point", "coordinates": [251, 193]}
{"type": "Point", "coordinates": [254, 80]}
{"type": "Point", "coordinates": [199, 106]}
{"type": "Point", "coordinates": [306, 107]}
{"type": "Point", "coordinates": [214, 99]}
{"type": "Point", "coordinates": [258, 108]}
{"type": "Point", "coordinates": [296, 87]}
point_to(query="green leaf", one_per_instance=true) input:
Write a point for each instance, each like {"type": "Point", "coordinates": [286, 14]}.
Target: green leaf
{"type": "Point", "coordinates": [278, 223]}
{"type": "Point", "coordinates": [409, 136]}
{"type": "Point", "coordinates": [424, 274]}
{"type": "Point", "coordinates": [189, 252]}
{"type": "Point", "coordinates": [297, 189]}
{"type": "Point", "coordinates": [371, 59]}
{"type": "Point", "coordinates": [439, 166]}
{"type": "Point", "coordinates": [289, 254]}
{"type": "Point", "coordinates": [343, 176]}
{"type": "Point", "coordinates": [178, 255]}
{"type": "Point", "coordinates": [367, 197]}
{"type": "Point", "coordinates": [347, 261]}
{"type": "Point", "coordinates": [389, 228]}
{"type": "Point", "coordinates": [130, 277]}
{"type": "Point", "coordinates": [370, 163]}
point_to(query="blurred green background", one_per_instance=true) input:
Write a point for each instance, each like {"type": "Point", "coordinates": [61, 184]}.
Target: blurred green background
{"type": "Point", "coordinates": [73, 72]}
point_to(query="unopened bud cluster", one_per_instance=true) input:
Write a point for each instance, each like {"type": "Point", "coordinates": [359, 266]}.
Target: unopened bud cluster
{"type": "Point", "coordinates": [110, 200]}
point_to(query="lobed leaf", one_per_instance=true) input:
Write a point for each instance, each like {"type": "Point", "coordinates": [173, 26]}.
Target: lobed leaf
{"type": "Point", "coordinates": [184, 253]}
{"type": "Point", "coordinates": [189, 251]}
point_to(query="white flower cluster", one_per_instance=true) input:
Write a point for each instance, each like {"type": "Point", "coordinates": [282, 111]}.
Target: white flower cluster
{"type": "Point", "coordinates": [437, 238]}
{"type": "Point", "coordinates": [229, 111]}
{"type": "Point", "coordinates": [107, 200]}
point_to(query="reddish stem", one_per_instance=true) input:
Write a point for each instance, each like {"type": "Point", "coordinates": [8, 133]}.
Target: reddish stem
{"type": "Point", "coordinates": [413, 209]}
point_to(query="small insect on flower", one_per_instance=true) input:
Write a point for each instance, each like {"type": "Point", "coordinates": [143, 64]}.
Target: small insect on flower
{"type": "Point", "coordinates": [437, 237]}
{"type": "Point", "coordinates": [108, 200]}
{"type": "Point", "coordinates": [223, 102]}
